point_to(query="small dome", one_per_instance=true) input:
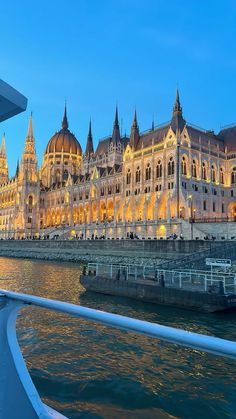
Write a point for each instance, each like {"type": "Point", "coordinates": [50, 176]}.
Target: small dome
{"type": "Point", "coordinates": [64, 141]}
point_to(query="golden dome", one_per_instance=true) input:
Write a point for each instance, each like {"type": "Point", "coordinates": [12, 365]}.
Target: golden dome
{"type": "Point", "coordinates": [64, 141]}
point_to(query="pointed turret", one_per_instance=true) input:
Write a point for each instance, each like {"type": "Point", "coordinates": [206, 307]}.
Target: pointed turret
{"type": "Point", "coordinates": [177, 121]}
{"type": "Point", "coordinates": [29, 150]}
{"type": "Point", "coordinates": [3, 162]}
{"type": "Point", "coordinates": [3, 146]}
{"type": "Point", "coordinates": [65, 124]}
{"type": "Point", "coordinates": [116, 129]}
{"type": "Point", "coordinates": [28, 167]}
{"type": "Point", "coordinates": [17, 169]}
{"type": "Point", "coordinates": [89, 147]}
{"type": "Point", "coordinates": [30, 133]}
{"type": "Point", "coordinates": [134, 133]}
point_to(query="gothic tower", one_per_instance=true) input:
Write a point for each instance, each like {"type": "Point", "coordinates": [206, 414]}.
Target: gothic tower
{"type": "Point", "coordinates": [28, 167]}
{"type": "Point", "coordinates": [134, 133]}
{"type": "Point", "coordinates": [28, 188]}
{"type": "Point", "coordinates": [3, 163]}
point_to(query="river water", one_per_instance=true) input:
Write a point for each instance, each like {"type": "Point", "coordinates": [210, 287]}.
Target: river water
{"type": "Point", "coordinates": [86, 370]}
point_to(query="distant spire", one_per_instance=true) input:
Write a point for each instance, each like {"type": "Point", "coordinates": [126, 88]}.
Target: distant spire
{"type": "Point", "coordinates": [3, 146]}
{"type": "Point", "coordinates": [177, 106]}
{"type": "Point", "coordinates": [29, 149]}
{"type": "Point", "coordinates": [135, 124]}
{"type": "Point", "coordinates": [134, 133]}
{"type": "Point", "coordinates": [30, 133]}
{"type": "Point", "coordinates": [65, 121]}
{"type": "Point", "coordinates": [153, 124]}
{"type": "Point", "coordinates": [116, 122]}
{"type": "Point", "coordinates": [89, 147]}
{"type": "Point", "coordinates": [116, 129]}
{"type": "Point", "coordinates": [17, 169]}
{"type": "Point", "coordinates": [177, 121]}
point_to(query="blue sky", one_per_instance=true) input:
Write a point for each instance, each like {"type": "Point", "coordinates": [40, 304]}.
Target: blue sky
{"type": "Point", "coordinates": [101, 52]}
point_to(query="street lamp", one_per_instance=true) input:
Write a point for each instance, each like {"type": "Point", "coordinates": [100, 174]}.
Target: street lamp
{"type": "Point", "coordinates": [191, 214]}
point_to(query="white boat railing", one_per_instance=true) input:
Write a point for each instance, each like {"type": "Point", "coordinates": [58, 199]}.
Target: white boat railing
{"type": "Point", "coordinates": [191, 280]}
{"type": "Point", "coordinates": [18, 395]}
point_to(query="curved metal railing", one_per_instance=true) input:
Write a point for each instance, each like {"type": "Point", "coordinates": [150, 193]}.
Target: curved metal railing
{"type": "Point", "coordinates": [16, 384]}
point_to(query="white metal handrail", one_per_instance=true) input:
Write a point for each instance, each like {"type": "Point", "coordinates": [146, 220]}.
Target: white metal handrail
{"type": "Point", "coordinates": [172, 277]}
{"type": "Point", "coordinates": [15, 376]}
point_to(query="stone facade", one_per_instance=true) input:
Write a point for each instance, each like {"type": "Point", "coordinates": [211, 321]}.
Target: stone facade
{"type": "Point", "coordinates": [151, 184]}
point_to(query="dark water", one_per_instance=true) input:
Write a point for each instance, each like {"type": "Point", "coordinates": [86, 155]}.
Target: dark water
{"type": "Point", "coordinates": [86, 370]}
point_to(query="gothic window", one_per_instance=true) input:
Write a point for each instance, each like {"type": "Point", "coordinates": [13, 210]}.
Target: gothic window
{"type": "Point", "coordinates": [222, 177]}
{"type": "Point", "coordinates": [159, 169]}
{"type": "Point", "coordinates": [194, 169]}
{"type": "Point", "coordinates": [30, 203]}
{"type": "Point", "coordinates": [214, 207]}
{"type": "Point", "coordinates": [171, 167]}
{"type": "Point", "coordinates": [213, 173]}
{"type": "Point", "coordinates": [233, 176]}
{"type": "Point", "coordinates": [184, 166]}
{"type": "Point", "coordinates": [128, 177]}
{"type": "Point", "coordinates": [148, 172]}
{"type": "Point", "coordinates": [137, 175]}
{"type": "Point", "coordinates": [204, 172]}
{"type": "Point", "coordinates": [57, 176]}
{"type": "Point", "coordinates": [204, 205]}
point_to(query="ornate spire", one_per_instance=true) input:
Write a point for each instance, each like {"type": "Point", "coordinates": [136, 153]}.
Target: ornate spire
{"type": "Point", "coordinates": [177, 121]}
{"type": "Point", "coordinates": [134, 133]}
{"type": "Point", "coordinates": [29, 150]}
{"type": "Point", "coordinates": [3, 162]}
{"type": "Point", "coordinates": [3, 146]}
{"type": "Point", "coordinates": [89, 147]}
{"type": "Point", "coordinates": [30, 133]}
{"type": "Point", "coordinates": [65, 121]}
{"type": "Point", "coordinates": [116, 129]}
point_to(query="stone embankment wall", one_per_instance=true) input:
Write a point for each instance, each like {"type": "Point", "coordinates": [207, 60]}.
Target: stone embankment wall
{"type": "Point", "coordinates": [155, 294]}
{"type": "Point", "coordinates": [104, 251]}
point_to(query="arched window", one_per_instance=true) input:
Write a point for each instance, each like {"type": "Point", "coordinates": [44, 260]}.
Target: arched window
{"type": "Point", "coordinates": [213, 173]}
{"type": "Point", "coordinates": [148, 172]}
{"type": "Point", "coordinates": [184, 166]}
{"type": "Point", "coordinates": [58, 176]}
{"type": "Point", "coordinates": [31, 200]}
{"type": "Point", "coordinates": [222, 176]}
{"type": "Point", "coordinates": [204, 172]}
{"type": "Point", "coordinates": [171, 167]}
{"type": "Point", "coordinates": [128, 177]}
{"type": "Point", "coordinates": [137, 175]}
{"type": "Point", "coordinates": [159, 169]}
{"type": "Point", "coordinates": [233, 176]}
{"type": "Point", "coordinates": [194, 169]}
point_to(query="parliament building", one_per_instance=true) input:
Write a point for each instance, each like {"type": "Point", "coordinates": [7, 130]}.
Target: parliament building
{"type": "Point", "coordinates": [150, 184]}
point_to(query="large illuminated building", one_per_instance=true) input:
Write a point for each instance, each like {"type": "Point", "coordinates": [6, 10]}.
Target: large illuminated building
{"type": "Point", "coordinates": [166, 180]}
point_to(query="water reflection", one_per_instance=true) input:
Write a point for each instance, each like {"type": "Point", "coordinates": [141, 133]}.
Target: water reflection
{"type": "Point", "coordinates": [88, 370]}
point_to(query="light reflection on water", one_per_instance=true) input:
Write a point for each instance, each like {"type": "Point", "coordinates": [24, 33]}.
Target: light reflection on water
{"type": "Point", "coordinates": [86, 370]}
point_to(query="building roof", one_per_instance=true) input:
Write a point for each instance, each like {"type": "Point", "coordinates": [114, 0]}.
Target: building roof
{"type": "Point", "coordinates": [228, 135]}
{"type": "Point", "coordinates": [64, 140]}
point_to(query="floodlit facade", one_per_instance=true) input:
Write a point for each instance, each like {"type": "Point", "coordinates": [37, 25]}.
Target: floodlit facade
{"type": "Point", "coordinates": [150, 184]}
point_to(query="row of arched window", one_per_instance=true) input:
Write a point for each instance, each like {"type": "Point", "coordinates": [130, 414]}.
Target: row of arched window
{"type": "Point", "coordinates": [148, 171]}
{"type": "Point", "coordinates": [204, 171]}
{"type": "Point", "coordinates": [171, 171]}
